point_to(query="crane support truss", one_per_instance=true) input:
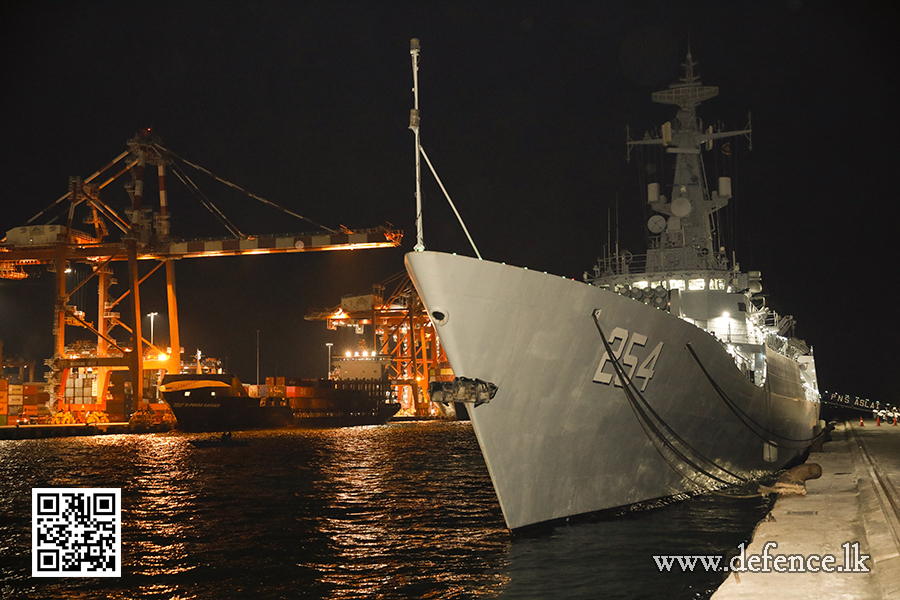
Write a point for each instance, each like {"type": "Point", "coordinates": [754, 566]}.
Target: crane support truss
{"type": "Point", "coordinates": [402, 330]}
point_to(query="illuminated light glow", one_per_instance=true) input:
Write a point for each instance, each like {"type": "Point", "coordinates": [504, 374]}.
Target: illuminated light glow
{"type": "Point", "coordinates": [726, 315]}
{"type": "Point", "coordinates": [348, 354]}
{"type": "Point", "coordinates": [162, 357]}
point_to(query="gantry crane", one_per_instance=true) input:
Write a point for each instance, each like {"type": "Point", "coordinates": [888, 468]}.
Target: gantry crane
{"type": "Point", "coordinates": [143, 235]}
{"type": "Point", "coordinates": [401, 330]}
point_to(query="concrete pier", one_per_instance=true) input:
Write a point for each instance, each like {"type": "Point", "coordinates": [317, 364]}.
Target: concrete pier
{"type": "Point", "coordinates": [851, 514]}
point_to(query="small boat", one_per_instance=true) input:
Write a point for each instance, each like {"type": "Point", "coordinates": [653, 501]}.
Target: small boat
{"type": "Point", "coordinates": [217, 442]}
{"type": "Point", "coordinates": [219, 402]}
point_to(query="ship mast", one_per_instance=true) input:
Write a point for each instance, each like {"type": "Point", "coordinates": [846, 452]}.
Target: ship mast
{"type": "Point", "coordinates": [683, 225]}
{"type": "Point", "coordinates": [414, 125]}
{"type": "Point", "coordinates": [414, 48]}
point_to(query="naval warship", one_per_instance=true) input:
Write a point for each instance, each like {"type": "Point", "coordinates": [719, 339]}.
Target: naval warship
{"type": "Point", "coordinates": [656, 377]}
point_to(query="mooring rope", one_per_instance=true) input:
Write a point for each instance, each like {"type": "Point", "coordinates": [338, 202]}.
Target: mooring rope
{"type": "Point", "coordinates": [738, 412]}
{"type": "Point", "coordinates": [636, 400]}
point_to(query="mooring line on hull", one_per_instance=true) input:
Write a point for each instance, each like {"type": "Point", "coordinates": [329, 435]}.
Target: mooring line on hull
{"type": "Point", "coordinates": [646, 423]}
{"type": "Point", "coordinates": [734, 408]}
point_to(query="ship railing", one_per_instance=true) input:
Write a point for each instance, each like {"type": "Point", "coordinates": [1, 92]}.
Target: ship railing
{"type": "Point", "coordinates": [621, 264]}
{"type": "Point", "coordinates": [685, 259]}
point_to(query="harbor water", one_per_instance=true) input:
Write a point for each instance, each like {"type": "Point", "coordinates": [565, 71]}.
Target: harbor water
{"type": "Point", "coordinates": [403, 510]}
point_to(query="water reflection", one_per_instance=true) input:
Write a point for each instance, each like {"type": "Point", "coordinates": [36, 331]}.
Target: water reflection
{"type": "Point", "coordinates": [403, 510]}
{"type": "Point", "coordinates": [159, 523]}
{"type": "Point", "coordinates": [393, 521]}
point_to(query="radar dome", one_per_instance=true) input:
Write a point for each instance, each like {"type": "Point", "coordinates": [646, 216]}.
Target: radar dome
{"type": "Point", "coordinates": [681, 207]}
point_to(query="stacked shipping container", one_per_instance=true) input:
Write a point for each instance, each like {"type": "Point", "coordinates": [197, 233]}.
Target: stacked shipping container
{"type": "Point", "coordinates": [20, 401]}
{"type": "Point", "coordinates": [4, 401]}
{"type": "Point", "coordinates": [80, 394]}
{"type": "Point", "coordinates": [328, 395]}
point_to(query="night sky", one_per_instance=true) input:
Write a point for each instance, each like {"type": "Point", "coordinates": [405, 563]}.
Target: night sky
{"type": "Point", "coordinates": [524, 107]}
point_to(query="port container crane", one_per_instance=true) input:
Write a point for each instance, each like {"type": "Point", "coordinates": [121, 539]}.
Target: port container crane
{"type": "Point", "coordinates": [142, 233]}
{"type": "Point", "coordinates": [402, 330]}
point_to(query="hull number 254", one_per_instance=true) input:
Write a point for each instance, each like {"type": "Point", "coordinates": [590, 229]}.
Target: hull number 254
{"type": "Point", "coordinates": [623, 345]}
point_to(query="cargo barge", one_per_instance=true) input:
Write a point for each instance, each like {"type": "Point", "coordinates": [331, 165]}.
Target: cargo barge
{"type": "Point", "coordinates": [220, 402]}
{"type": "Point", "coordinates": [32, 432]}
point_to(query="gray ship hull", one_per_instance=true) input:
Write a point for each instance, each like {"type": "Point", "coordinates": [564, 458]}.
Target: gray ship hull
{"type": "Point", "coordinates": [560, 437]}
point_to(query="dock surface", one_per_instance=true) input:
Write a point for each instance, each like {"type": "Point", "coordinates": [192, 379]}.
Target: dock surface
{"type": "Point", "coordinates": [850, 513]}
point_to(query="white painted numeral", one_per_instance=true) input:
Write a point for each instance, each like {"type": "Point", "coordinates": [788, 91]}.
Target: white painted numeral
{"type": "Point", "coordinates": [649, 366]}
{"type": "Point", "coordinates": [617, 334]}
{"type": "Point", "coordinates": [630, 360]}
{"type": "Point", "coordinates": [620, 340]}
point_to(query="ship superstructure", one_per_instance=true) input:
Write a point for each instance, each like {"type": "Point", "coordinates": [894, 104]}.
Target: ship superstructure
{"type": "Point", "coordinates": [687, 270]}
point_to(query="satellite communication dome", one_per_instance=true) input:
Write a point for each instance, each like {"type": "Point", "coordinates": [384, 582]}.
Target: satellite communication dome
{"type": "Point", "coordinates": [681, 207]}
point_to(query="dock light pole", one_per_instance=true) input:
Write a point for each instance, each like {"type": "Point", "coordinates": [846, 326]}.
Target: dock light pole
{"type": "Point", "coordinates": [152, 317]}
{"type": "Point", "coordinates": [329, 344]}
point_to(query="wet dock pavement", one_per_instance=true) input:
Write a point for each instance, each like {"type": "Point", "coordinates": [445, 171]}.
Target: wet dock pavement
{"type": "Point", "coordinates": [841, 540]}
